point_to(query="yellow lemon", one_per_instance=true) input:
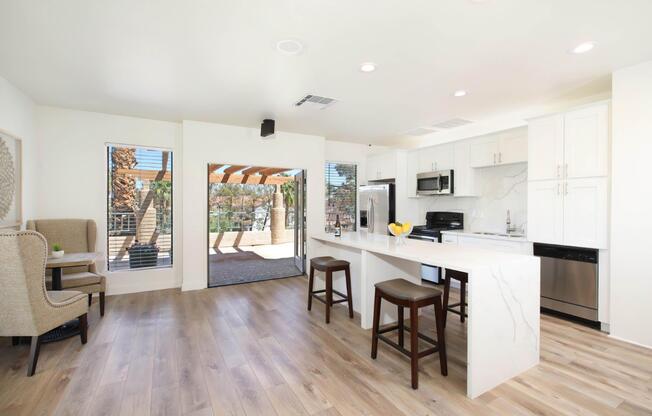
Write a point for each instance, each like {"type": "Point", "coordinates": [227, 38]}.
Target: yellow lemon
{"type": "Point", "coordinates": [406, 228]}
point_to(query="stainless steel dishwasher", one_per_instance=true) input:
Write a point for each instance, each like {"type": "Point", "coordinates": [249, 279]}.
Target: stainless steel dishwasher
{"type": "Point", "coordinates": [569, 280]}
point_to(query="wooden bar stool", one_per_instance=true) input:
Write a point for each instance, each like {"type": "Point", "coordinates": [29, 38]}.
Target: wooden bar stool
{"type": "Point", "coordinates": [405, 294]}
{"type": "Point", "coordinates": [463, 278]}
{"type": "Point", "coordinates": [329, 265]}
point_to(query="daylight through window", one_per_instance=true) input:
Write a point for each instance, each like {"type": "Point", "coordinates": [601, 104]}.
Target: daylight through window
{"type": "Point", "coordinates": [139, 217]}
{"type": "Point", "coordinates": [341, 186]}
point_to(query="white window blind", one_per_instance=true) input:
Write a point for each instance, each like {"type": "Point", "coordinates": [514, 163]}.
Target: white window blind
{"type": "Point", "coordinates": [341, 191]}
{"type": "Point", "coordinates": [139, 211]}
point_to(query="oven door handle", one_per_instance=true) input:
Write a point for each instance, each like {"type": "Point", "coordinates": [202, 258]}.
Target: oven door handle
{"type": "Point", "coordinates": [423, 237]}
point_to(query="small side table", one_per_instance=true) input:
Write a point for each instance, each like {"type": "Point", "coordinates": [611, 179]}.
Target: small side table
{"type": "Point", "coordinates": [57, 265]}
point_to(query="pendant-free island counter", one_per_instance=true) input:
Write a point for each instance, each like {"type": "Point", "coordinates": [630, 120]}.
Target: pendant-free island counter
{"type": "Point", "coordinates": [503, 296]}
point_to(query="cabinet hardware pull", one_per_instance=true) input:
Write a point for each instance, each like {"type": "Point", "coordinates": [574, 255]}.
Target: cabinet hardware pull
{"type": "Point", "coordinates": [557, 188]}
{"type": "Point", "coordinates": [566, 170]}
{"type": "Point", "coordinates": [558, 170]}
{"type": "Point", "coordinates": [500, 157]}
{"type": "Point", "coordinates": [494, 158]}
{"type": "Point", "coordinates": [566, 188]}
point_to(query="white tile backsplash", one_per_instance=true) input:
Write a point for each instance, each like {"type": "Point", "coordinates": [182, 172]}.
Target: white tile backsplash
{"type": "Point", "coordinates": [499, 188]}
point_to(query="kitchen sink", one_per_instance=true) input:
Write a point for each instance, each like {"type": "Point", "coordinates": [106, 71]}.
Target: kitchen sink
{"type": "Point", "coordinates": [513, 235]}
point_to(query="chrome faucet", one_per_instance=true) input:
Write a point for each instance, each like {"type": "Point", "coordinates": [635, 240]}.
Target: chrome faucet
{"type": "Point", "coordinates": [510, 227]}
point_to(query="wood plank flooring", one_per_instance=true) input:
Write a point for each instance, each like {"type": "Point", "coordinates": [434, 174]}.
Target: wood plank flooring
{"type": "Point", "coordinates": [254, 350]}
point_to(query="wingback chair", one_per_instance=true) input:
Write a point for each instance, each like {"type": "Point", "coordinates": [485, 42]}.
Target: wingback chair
{"type": "Point", "coordinates": [27, 309]}
{"type": "Point", "coordinates": [74, 236]}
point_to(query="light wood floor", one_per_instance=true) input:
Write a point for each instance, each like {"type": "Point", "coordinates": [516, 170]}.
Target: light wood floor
{"type": "Point", "coordinates": [254, 350]}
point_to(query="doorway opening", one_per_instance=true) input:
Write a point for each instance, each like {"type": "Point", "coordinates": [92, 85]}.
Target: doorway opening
{"type": "Point", "coordinates": [256, 223]}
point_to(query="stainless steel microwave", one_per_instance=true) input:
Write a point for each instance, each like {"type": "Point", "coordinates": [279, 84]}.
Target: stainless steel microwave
{"type": "Point", "coordinates": [435, 183]}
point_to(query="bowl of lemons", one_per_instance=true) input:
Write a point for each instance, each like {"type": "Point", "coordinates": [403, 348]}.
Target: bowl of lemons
{"type": "Point", "coordinates": [400, 230]}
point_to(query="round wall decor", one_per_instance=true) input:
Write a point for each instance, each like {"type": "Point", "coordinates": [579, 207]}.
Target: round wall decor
{"type": "Point", "coordinates": [7, 179]}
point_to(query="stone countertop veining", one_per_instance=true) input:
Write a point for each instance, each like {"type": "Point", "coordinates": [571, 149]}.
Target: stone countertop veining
{"type": "Point", "coordinates": [515, 237]}
{"type": "Point", "coordinates": [443, 255]}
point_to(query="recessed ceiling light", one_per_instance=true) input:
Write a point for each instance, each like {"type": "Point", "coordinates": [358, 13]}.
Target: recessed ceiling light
{"type": "Point", "coordinates": [459, 93]}
{"type": "Point", "coordinates": [368, 67]}
{"type": "Point", "coordinates": [583, 47]}
{"type": "Point", "coordinates": [289, 47]}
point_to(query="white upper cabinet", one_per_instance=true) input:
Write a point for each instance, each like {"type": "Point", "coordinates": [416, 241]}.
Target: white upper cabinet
{"type": "Point", "coordinates": [570, 145]}
{"type": "Point", "coordinates": [463, 173]}
{"type": "Point", "coordinates": [499, 149]}
{"type": "Point", "coordinates": [436, 158]}
{"type": "Point", "coordinates": [412, 169]}
{"type": "Point", "coordinates": [484, 152]}
{"type": "Point", "coordinates": [568, 178]}
{"type": "Point", "coordinates": [546, 148]}
{"type": "Point", "coordinates": [381, 166]}
{"type": "Point", "coordinates": [586, 142]}
{"type": "Point", "coordinates": [512, 147]}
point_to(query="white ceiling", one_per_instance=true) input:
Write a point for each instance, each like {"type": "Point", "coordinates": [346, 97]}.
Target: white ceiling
{"type": "Point", "coordinates": [215, 60]}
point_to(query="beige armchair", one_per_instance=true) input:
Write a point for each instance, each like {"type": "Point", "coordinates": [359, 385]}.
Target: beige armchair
{"type": "Point", "coordinates": [74, 236]}
{"type": "Point", "coordinates": [27, 309]}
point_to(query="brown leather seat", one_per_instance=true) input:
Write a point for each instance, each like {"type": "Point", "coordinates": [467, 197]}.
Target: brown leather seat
{"type": "Point", "coordinates": [404, 290]}
{"type": "Point", "coordinates": [328, 262]}
{"type": "Point", "coordinates": [405, 294]}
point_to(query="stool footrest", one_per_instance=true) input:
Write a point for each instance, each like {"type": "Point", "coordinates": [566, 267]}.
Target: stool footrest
{"type": "Point", "coordinates": [405, 351]}
{"type": "Point", "coordinates": [322, 299]}
{"type": "Point", "coordinates": [455, 305]}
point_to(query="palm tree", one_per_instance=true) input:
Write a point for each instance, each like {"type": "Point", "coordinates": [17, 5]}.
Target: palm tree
{"type": "Point", "coordinates": [287, 189]}
{"type": "Point", "coordinates": [123, 185]}
{"type": "Point", "coordinates": [162, 200]}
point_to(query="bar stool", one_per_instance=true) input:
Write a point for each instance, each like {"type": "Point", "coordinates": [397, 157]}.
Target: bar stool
{"type": "Point", "coordinates": [405, 294]}
{"type": "Point", "coordinates": [329, 265]}
{"type": "Point", "coordinates": [463, 278]}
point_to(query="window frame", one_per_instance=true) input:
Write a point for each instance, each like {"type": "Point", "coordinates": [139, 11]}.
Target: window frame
{"type": "Point", "coordinates": [355, 195]}
{"type": "Point", "coordinates": [107, 155]}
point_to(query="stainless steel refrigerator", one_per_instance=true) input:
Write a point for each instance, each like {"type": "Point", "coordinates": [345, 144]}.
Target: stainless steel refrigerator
{"type": "Point", "coordinates": [377, 207]}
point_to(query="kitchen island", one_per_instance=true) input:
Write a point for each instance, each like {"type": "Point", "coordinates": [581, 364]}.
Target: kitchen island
{"type": "Point", "coordinates": [503, 296]}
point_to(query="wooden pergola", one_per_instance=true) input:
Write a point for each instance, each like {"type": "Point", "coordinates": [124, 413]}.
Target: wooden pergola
{"type": "Point", "coordinates": [235, 174]}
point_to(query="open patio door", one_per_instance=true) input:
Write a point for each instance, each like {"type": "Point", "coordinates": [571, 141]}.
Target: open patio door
{"type": "Point", "coordinates": [300, 221]}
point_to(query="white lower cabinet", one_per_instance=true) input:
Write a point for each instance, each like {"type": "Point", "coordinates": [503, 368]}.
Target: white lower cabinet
{"type": "Point", "coordinates": [448, 239]}
{"type": "Point", "coordinates": [569, 212]}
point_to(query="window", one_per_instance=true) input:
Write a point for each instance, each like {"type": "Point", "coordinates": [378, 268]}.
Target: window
{"type": "Point", "coordinates": [341, 187]}
{"type": "Point", "coordinates": [139, 207]}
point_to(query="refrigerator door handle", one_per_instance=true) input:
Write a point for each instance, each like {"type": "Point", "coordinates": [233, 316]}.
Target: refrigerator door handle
{"type": "Point", "coordinates": [372, 215]}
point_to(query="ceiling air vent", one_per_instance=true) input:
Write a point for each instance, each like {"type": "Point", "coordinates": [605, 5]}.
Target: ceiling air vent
{"type": "Point", "coordinates": [420, 131]}
{"type": "Point", "coordinates": [452, 123]}
{"type": "Point", "coordinates": [315, 101]}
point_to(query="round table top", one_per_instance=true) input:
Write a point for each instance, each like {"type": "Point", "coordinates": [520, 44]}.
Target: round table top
{"type": "Point", "coordinates": [72, 260]}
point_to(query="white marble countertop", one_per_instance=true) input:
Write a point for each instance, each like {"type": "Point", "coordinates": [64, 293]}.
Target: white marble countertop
{"type": "Point", "coordinates": [444, 255]}
{"type": "Point", "coordinates": [488, 235]}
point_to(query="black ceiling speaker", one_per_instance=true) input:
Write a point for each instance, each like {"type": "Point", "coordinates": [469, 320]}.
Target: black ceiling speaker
{"type": "Point", "coordinates": [267, 128]}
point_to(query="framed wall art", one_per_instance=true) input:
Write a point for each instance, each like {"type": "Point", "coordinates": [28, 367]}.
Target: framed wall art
{"type": "Point", "coordinates": [10, 181]}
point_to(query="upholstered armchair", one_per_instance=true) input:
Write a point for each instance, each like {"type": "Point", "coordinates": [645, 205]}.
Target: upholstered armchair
{"type": "Point", "coordinates": [74, 236]}
{"type": "Point", "coordinates": [27, 309]}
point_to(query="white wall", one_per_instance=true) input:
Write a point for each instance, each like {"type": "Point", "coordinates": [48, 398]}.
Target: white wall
{"type": "Point", "coordinates": [631, 220]}
{"type": "Point", "coordinates": [205, 143]}
{"type": "Point", "coordinates": [72, 181]}
{"type": "Point", "coordinates": [17, 120]}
